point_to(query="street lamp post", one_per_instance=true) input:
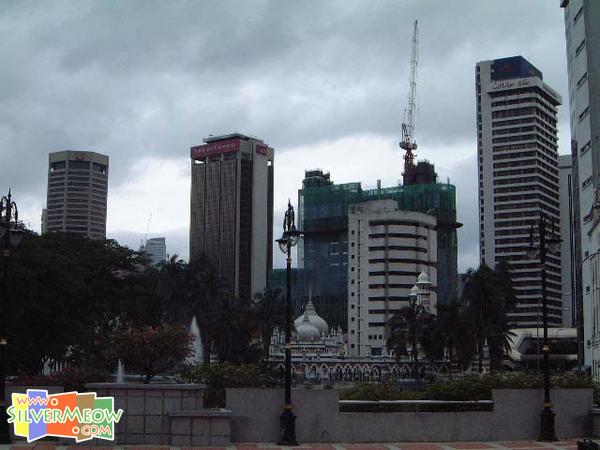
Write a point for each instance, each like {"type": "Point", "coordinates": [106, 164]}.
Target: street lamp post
{"type": "Point", "coordinates": [11, 231]}
{"type": "Point", "coordinates": [288, 239]}
{"type": "Point", "coordinates": [547, 241]}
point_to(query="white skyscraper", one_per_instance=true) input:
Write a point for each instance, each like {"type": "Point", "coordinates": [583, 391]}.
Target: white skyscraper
{"type": "Point", "coordinates": [583, 59]}
{"type": "Point", "coordinates": [518, 178]}
{"type": "Point", "coordinates": [388, 250]}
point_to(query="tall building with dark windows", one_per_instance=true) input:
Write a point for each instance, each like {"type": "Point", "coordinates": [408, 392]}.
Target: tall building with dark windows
{"type": "Point", "coordinates": [517, 148]}
{"type": "Point", "coordinates": [232, 209]}
{"type": "Point", "coordinates": [77, 194]}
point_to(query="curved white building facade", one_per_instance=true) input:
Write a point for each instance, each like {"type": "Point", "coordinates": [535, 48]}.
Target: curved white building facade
{"type": "Point", "coordinates": [387, 250]}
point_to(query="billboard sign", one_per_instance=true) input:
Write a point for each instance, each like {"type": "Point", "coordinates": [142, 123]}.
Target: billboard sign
{"type": "Point", "coordinates": [215, 148]}
{"type": "Point", "coordinates": [262, 149]}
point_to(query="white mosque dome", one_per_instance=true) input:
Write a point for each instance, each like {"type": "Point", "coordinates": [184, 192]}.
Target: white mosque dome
{"type": "Point", "coordinates": [414, 291]}
{"type": "Point", "coordinates": [305, 331]}
{"type": "Point", "coordinates": [423, 278]}
{"type": "Point", "coordinates": [313, 318]}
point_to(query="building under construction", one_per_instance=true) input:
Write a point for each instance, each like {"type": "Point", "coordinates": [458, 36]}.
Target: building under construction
{"type": "Point", "coordinates": [323, 217]}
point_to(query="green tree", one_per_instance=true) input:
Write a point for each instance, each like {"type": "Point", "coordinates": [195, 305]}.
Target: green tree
{"type": "Point", "coordinates": [268, 313]}
{"type": "Point", "coordinates": [64, 296]}
{"type": "Point", "coordinates": [410, 326]}
{"type": "Point", "coordinates": [152, 350]}
{"type": "Point", "coordinates": [205, 295]}
{"type": "Point", "coordinates": [489, 296]}
{"type": "Point", "coordinates": [454, 334]}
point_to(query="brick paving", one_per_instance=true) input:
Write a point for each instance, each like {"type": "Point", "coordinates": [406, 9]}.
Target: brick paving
{"type": "Point", "coordinates": [512, 445]}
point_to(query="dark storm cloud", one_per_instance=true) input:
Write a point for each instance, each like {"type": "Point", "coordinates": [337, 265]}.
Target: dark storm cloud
{"type": "Point", "coordinates": [139, 79]}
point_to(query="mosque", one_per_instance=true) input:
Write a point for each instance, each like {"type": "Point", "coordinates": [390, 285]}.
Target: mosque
{"type": "Point", "coordinates": [320, 354]}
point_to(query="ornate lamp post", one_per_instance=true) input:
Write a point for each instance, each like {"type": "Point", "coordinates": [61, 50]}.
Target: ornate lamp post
{"type": "Point", "coordinates": [11, 232]}
{"type": "Point", "coordinates": [288, 239]}
{"type": "Point", "coordinates": [545, 240]}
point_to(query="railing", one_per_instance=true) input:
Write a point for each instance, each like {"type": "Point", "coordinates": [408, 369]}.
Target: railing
{"type": "Point", "coordinates": [415, 406]}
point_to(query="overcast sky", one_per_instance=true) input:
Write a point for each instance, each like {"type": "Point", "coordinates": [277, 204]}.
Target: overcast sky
{"type": "Point", "coordinates": [323, 82]}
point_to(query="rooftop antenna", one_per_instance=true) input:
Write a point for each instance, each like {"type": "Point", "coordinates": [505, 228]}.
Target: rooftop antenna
{"type": "Point", "coordinates": [408, 143]}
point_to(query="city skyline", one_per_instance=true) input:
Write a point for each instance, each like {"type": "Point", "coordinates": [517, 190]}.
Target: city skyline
{"type": "Point", "coordinates": [316, 104]}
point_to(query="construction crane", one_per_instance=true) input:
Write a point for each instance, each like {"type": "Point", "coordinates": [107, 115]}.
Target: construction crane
{"type": "Point", "coordinates": [408, 143]}
{"type": "Point", "coordinates": [143, 242]}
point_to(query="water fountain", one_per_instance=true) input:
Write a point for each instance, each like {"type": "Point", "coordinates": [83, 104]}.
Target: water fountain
{"type": "Point", "coordinates": [120, 373]}
{"type": "Point", "coordinates": [196, 356]}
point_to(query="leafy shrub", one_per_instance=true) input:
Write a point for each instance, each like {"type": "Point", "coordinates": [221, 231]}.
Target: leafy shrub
{"type": "Point", "coordinates": [219, 377]}
{"type": "Point", "coordinates": [379, 391]}
{"type": "Point", "coordinates": [471, 387]}
{"type": "Point", "coordinates": [71, 378]}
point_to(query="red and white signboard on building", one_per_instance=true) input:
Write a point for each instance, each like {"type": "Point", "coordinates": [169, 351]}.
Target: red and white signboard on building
{"type": "Point", "coordinates": [262, 149]}
{"type": "Point", "coordinates": [215, 148]}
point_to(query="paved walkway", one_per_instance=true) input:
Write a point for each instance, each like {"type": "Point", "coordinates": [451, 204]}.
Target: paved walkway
{"type": "Point", "coordinates": [516, 445]}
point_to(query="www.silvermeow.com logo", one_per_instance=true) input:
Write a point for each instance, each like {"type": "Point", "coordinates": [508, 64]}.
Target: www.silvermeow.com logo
{"type": "Point", "coordinates": [38, 414]}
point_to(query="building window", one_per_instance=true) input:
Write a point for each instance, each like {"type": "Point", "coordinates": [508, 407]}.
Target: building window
{"type": "Point", "coordinates": [584, 113]}
{"type": "Point", "coordinates": [334, 248]}
{"type": "Point", "coordinates": [586, 182]}
{"type": "Point", "coordinates": [585, 148]}
{"type": "Point", "coordinates": [578, 15]}
{"type": "Point", "coordinates": [352, 319]}
{"type": "Point", "coordinates": [582, 80]}
{"type": "Point", "coordinates": [580, 47]}
{"type": "Point", "coordinates": [57, 166]}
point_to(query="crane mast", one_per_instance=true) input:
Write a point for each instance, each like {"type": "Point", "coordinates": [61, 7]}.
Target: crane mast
{"type": "Point", "coordinates": [408, 142]}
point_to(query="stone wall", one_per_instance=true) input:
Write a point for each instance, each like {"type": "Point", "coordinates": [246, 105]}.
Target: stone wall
{"type": "Point", "coordinates": [201, 428]}
{"type": "Point", "coordinates": [147, 409]}
{"type": "Point", "coordinates": [255, 418]}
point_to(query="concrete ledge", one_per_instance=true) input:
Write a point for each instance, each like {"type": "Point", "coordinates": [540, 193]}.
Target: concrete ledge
{"type": "Point", "coordinates": [201, 427]}
{"type": "Point", "coordinates": [151, 386]}
{"type": "Point", "coordinates": [595, 416]}
{"type": "Point", "coordinates": [202, 413]}
{"type": "Point", "coordinates": [515, 417]}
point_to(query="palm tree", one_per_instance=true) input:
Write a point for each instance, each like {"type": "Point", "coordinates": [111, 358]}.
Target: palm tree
{"type": "Point", "coordinates": [454, 334]}
{"type": "Point", "coordinates": [231, 332]}
{"type": "Point", "coordinates": [205, 294]}
{"type": "Point", "coordinates": [409, 327]}
{"type": "Point", "coordinates": [268, 313]}
{"type": "Point", "coordinates": [172, 288]}
{"type": "Point", "coordinates": [489, 296]}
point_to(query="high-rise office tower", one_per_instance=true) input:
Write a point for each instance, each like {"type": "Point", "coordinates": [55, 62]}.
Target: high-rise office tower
{"type": "Point", "coordinates": [77, 193]}
{"type": "Point", "coordinates": [232, 209]}
{"type": "Point", "coordinates": [156, 250]}
{"type": "Point", "coordinates": [583, 67]}
{"type": "Point", "coordinates": [518, 178]}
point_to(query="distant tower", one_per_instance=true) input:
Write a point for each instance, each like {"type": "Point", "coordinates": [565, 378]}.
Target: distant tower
{"type": "Point", "coordinates": [77, 193]}
{"type": "Point", "coordinates": [156, 250]}
{"type": "Point", "coordinates": [232, 209]}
